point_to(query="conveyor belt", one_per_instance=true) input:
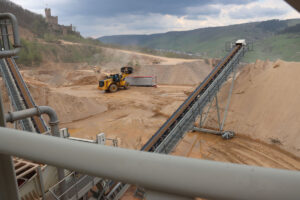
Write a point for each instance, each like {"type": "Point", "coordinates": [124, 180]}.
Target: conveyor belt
{"type": "Point", "coordinates": [37, 121]}
{"type": "Point", "coordinates": [166, 128]}
{"type": "Point", "coordinates": [22, 95]}
{"type": "Point", "coordinates": [14, 95]}
{"type": "Point", "coordinates": [170, 133]}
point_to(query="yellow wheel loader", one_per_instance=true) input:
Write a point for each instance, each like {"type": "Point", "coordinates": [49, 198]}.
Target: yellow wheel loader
{"type": "Point", "coordinates": [115, 81]}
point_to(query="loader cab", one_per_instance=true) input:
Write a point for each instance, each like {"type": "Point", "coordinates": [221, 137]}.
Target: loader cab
{"type": "Point", "coordinates": [116, 77]}
{"type": "Point", "coordinates": [101, 83]}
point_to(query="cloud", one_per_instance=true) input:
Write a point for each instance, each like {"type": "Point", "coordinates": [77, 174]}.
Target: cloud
{"type": "Point", "coordinates": [111, 17]}
{"type": "Point", "coordinates": [257, 11]}
{"type": "Point", "coordinates": [119, 7]}
{"type": "Point", "coordinates": [129, 24]}
{"type": "Point", "coordinates": [200, 12]}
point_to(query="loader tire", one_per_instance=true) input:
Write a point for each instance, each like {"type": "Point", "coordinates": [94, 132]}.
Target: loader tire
{"type": "Point", "coordinates": [113, 88]}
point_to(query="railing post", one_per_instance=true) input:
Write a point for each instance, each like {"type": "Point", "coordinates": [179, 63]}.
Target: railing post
{"type": "Point", "coordinates": [41, 181]}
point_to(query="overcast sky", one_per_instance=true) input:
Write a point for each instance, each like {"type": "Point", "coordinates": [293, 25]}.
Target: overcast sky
{"type": "Point", "coordinates": [96, 18]}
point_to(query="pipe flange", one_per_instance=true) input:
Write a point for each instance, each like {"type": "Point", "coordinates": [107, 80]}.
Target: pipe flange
{"type": "Point", "coordinates": [54, 123]}
{"type": "Point", "coordinates": [10, 117]}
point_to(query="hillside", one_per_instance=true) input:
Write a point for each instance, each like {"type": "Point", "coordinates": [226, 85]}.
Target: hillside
{"type": "Point", "coordinates": [41, 44]}
{"type": "Point", "coordinates": [273, 39]}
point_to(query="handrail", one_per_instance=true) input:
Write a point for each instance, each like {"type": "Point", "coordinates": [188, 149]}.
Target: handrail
{"type": "Point", "coordinates": [158, 172]}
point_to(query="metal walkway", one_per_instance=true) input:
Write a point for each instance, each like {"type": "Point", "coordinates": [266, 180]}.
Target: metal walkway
{"type": "Point", "coordinates": [182, 120]}
{"type": "Point", "coordinates": [76, 186]}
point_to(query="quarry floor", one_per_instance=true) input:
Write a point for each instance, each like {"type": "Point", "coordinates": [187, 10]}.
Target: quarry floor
{"type": "Point", "coordinates": [264, 110]}
{"type": "Point", "coordinates": [133, 116]}
{"type": "Point", "coordinates": [256, 113]}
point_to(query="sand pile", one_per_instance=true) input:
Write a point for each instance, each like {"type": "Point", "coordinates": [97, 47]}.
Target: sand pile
{"type": "Point", "coordinates": [265, 104]}
{"type": "Point", "coordinates": [81, 77]}
{"type": "Point", "coordinates": [68, 107]}
{"type": "Point", "coordinates": [188, 73]}
{"type": "Point", "coordinates": [65, 77]}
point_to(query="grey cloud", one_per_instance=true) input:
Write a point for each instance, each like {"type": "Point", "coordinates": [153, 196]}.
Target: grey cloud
{"type": "Point", "coordinates": [200, 12]}
{"type": "Point", "coordinates": [126, 24]}
{"type": "Point", "coordinates": [112, 8]}
{"type": "Point", "coordinates": [120, 9]}
{"type": "Point", "coordinates": [256, 11]}
{"type": "Point", "coordinates": [105, 17]}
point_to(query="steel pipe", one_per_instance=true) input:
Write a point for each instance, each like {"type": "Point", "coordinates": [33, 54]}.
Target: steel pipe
{"type": "Point", "coordinates": [207, 130]}
{"type": "Point", "coordinates": [17, 43]}
{"type": "Point", "coordinates": [163, 173]}
{"type": "Point", "coordinates": [37, 111]}
{"type": "Point", "coordinates": [8, 183]}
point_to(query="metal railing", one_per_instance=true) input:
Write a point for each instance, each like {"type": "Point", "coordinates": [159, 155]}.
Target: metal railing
{"type": "Point", "coordinates": [175, 175]}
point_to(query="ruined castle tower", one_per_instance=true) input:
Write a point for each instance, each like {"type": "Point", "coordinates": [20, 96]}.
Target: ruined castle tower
{"type": "Point", "coordinates": [48, 12]}
{"type": "Point", "coordinates": [55, 27]}
{"type": "Point", "coordinates": [50, 19]}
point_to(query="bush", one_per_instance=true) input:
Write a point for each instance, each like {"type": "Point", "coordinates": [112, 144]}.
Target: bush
{"type": "Point", "coordinates": [33, 52]}
{"type": "Point", "coordinates": [39, 27]}
{"type": "Point", "coordinates": [48, 37]}
{"type": "Point", "coordinates": [30, 54]}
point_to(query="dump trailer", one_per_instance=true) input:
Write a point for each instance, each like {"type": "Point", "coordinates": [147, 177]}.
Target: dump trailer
{"type": "Point", "coordinates": [142, 81]}
{"type": "Point", "coordinates": [115, 81]}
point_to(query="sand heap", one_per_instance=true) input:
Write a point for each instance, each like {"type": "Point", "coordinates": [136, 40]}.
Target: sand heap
{"type": "Point", "coordinates": [265, 104]}
{"type": "Point", "coordinates": [62, 77]}
{"type": "Point", "coordinates": [188, 73]}
{"type": "Point", "coordinates": [264, 113]}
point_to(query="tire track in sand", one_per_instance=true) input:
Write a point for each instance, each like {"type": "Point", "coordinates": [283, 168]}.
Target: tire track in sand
{"type": "Point", "coordinates": [241, 149]}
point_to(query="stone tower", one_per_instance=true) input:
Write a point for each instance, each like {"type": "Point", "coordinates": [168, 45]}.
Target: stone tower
{"type": "Point", "coordinates": [50, 19]}
{"type": "Point", "coordinates": [47, 12]}
{"type": "Point", "coordinates": [53, 25]}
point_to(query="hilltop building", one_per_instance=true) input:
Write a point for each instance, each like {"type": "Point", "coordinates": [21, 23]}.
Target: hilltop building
{"type": "Point", "coordinates": [55, 27]}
